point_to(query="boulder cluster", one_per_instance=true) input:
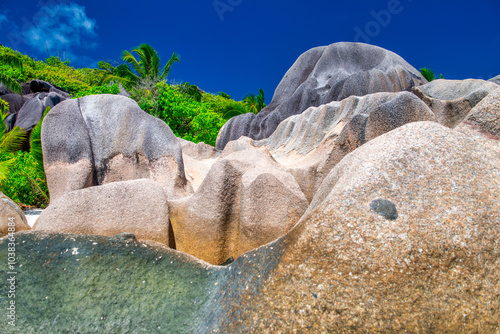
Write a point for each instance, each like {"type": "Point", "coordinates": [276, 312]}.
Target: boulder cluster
{"type": "Point", "coordinates": [362, 199]}
{"type": "Point", "coordinates": [26, 109]}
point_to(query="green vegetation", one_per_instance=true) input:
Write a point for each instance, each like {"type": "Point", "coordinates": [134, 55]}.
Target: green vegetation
{"type": "Point", "coordinates": [429, 74]}
{"type": "Point", "coordinates": [10, 142]}
{"type": "Point", "coordinates": [145, 71]}
{"type": "Point", "coordinates": [190, 112]}
{"type": "Point", "coordinates": [14, 63]}
{"type": "Point", "coordinates": [52, 70]}
{"type": "Point", "coordinates": [255, 103]}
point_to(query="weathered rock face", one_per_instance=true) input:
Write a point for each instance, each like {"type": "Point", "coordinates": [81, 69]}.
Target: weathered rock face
{"type": "Point", "coordinates": [40, 86]}
{"type": "Point", "coordinates": [198, 159]}
{"type": "Point", "coordinates": [495, 80]}
{"type": "Point", "coordinates": [312, 143]}
{"type": "Point", "coordinates": [361, 215]}
{"type": "Point", "coordinates": [451, 100]}
{"type": "Point", "coordinates": [101, 139]}
{"type": "Point", "coordinates": [12, 218]}
{"type": "Point", "coordinates": [245, 201]}
{"type": "Point", "coordinates": [139, 207]}
{"type": "Point", "coordinates": [31, 112]}
{"type": "Point", "coordinates": [402, 236]}
{"type": "Point", "coordinates": [486, 114]}
{"type": "Point", "coordinates": [322, 75]}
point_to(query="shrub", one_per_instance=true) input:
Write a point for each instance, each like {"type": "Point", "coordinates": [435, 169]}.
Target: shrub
{"type": "Point", "coordinates": [53, 70]}
{"type": "Point", "coordinates": [20, 185]}
{"type": "Point", "coordinates": [429, 74]}
{"type": "Point", "coordinates": [95, 90]}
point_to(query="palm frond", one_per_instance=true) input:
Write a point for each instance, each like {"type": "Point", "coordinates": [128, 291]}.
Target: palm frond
{"type": "Point", "coordinates": [36, 145]}
{"type": "Point", "coordinates": [129, 58]}
{"type": "Point", "coordinates": [10, 83]}
{"type": "Point", "coordinates": [124, 75]}
{"type": "Point", "coordinates": [150, 60]}
{"type": "Point", "coordinates": [166, 70]}
{"type": "Point", "coordinates": [5, 167]}
{"type": "Point", "coordinates": [12, 141]}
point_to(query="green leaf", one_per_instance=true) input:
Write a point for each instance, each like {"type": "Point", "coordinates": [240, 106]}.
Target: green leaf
{"type": "Point", "coordinates": [12, 141]}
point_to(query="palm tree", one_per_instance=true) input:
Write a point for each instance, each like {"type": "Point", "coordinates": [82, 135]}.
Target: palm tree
{"type": "Point", "coordinates": [8, 81]}
{"type": "Point", "coordinates": [255, 103]}
{"type": "Point", "coordinates": [145, 70]}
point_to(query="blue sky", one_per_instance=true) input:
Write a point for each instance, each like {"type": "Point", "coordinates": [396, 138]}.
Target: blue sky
{"type": "Point", "coordinates": [239, 46]}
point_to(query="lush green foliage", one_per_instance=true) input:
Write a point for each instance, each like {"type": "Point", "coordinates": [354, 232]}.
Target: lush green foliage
{"type": "Point", "coordinates": [20, 186]}
{"type": "Point", "coordinates": [95, 90]}
{"type": "Point", "coordinates": [22, 177]}
{"type": "Point", "coordinates": [179, 110]}
{"type": "Point", "coordinates": [53, 70]}
{"type": "Point", "coordinates": [14, 62]}
{"type": "Point", "coordinates": [191, 113]}
{"type": "Point", "coordinates": [10, 142]}
{"type": "Point", "coordinates": [429, 74]}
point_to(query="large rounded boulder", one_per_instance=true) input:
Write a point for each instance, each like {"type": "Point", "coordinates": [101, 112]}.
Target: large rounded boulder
{"type": "Point", "coordinates": [138, 207]}
{"type": "Point", "coordinates": [403, 236]}
{"type": "Point", "coordinates": [322, 75]}
{"type": "Point", "coordinates": [101, 139]}
{"type": "Point", "coordinates": [12, 219]}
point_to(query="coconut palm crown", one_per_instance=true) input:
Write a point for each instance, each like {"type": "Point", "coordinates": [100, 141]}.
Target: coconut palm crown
{"type": "Point", "coordinates": [145, 69]}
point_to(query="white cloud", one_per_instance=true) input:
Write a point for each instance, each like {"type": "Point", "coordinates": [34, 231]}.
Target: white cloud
{"type": "Point", "coordinates": [61, 28]}
{"type": "Point", "coordinates": [3, 19]}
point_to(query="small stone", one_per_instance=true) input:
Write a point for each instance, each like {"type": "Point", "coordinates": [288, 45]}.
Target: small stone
{"type": "Point", "coordinates": [385, 208]}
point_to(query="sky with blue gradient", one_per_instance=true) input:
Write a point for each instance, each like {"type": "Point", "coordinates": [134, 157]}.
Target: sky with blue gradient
{"type": "Point", "coordinates": [239, 46]}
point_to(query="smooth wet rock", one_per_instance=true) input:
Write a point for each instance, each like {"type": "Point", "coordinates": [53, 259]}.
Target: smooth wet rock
{"type": "Point", "coordinates": [139, 207]}
{"type": "Point", "coordinates": [102, 139]}
{"type": "Point", "coordinates": [12, 218]}
{"type": "Point", "coordinates": [84, 284]}
{"type": "Point", "coordinates": [320, 76]}
{"type": "Point", "coordinates": [451, 100]}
